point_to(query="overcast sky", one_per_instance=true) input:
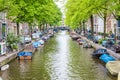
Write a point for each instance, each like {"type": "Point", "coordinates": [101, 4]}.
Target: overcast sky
{"type": "Point", "coordinates": [61, 5]}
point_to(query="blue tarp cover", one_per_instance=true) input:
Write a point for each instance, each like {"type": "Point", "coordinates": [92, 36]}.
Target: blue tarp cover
{"type": "Point", "coordinates": [35, 44]}
{"type": "Point", "coordinates": [106, 58]}
{"type": "Point", "coordinates": [25, 54]}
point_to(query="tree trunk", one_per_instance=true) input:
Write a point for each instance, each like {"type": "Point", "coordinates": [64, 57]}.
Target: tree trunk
{"type": "Point", "coordinates": [92, 26]}
{"type": "Point", "coordinates": [80, 27]}
{"type": "Point", "coordinates": [46, 26]}
{"type": "Point", "coordinates": [84, 26]}
{"type": "Point", "coordinates": [115, 33]}
{"type": "Point", "coordinates": [105, 17]}
{"type": "Point", "coordinates": [17, 23]}
{"type": "Point", "coordinates": [40, 27]}
{"type": "Point", "coordinates": [31, 30]}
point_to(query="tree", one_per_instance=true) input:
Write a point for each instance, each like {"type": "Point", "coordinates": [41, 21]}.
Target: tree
{"type": "Point", "coordinates": [82, 10]}
{"type": "Point", "coordinates": [34, 12]}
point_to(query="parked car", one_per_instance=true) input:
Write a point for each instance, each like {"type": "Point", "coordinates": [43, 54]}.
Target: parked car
{"type": "Point", "coordinates": [104, 43]}
{"type": "Point", "coordinates": [45, 38]}
{"type": "Point", "coordinates": [98, 52]}
{"type": "Point", "coordinates": [97, 38]}
{"type": "Point", "coordinates": [108, 43]}
{"type": "Point", "coordinates": [35, 35]}
{"type": "Point", "coordinates": [27, 38]}
{"type": "Point", "coordinates": [116, 48]}
{"type": "Point", "coordinates": [39, 34]}
{"type": "Point", "coordinates": [89, 36]}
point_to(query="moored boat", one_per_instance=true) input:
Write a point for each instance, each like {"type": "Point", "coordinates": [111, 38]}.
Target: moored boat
{"type": "Point", "coordinates": [87, 45]}
{"type": "Point", "coordinates": [81, 42]}
{"type": "Point", "coordinates": [41, 42]}
{"type": "Point", "coordinates": [98, 52]}
{"type": "Point", "coordinates": [25, 55]}
{"type": "Point", "coordinates": [75, 37]}
{"type": "Point", "coordinates": [3, 68]}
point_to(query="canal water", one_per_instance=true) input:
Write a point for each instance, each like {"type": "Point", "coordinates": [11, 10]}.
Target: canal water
{"type": "Point", "coordinates": [59, 59]}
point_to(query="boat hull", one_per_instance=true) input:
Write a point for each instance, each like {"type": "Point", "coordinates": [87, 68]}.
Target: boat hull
{"type": "Point", "coordinates": [25, 55]}
{"type": "Point", "coordinates": [25, 58]}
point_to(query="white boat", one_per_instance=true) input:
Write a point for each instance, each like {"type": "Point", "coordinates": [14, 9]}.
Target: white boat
{"type": "Point", "coordinates": [1, 78]}
{"type": "Point", "coordinates": [41, 42]}
{"type": "Point", "coordinates": [3, 68]}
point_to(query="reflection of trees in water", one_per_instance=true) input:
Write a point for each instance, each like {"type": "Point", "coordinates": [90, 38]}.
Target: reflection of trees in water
{"type": "Point", "coordinates": [24, 67]}
{"type": "Point", "coordinates": [4, 75]}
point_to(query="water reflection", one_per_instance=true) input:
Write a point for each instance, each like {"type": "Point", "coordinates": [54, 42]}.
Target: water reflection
{"type": "Point", "coordinates": [59, 60]}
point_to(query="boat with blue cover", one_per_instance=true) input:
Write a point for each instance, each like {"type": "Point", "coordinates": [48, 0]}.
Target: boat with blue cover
{"type": "Point", "coordinates": [35, 44]}
{"type": "Point", "coordinates": [98, 52]}
{"type": "Point", "coordinates": [25, 55]}
{"type": "Point", "coordinates": [106, 58]}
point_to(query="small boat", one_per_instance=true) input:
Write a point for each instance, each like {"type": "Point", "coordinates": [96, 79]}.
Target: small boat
{"type": "Point", "coordinates": [25, 55]}
{"type": "Point", "coordinates": [75, 37]}
{"type": "Point", "coordinates": [114, 68]}
{"type": "Point", "coordinates": [98, 52]}
{"type": "Point", "coordinates": [3, 68]}
{"type": "Point", "coordinates": [1, 78]}
{"type": "Point", "coordinates": [41, 42]}
{"type": "Point", "coordinates": [81, 42]}
{"type": "Point", "coordinates": [106, 58]}
{"type": "Point", "coordinates": [45, 38]}
{"type": "Point", "coordinates": [36, 44]}
{"type": "Point", "coordinates": [87, 45]}
{"type": "Point", "coordinates": [50, 35]}
{"type": "Point", "coordinates": [78, 39]}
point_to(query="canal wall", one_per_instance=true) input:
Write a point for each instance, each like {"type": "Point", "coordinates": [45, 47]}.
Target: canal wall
{"type": "Point", "coordinates": [8, 57]}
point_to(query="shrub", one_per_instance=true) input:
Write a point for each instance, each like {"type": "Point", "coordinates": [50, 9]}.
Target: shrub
{"type": "Point", "coordinates": [12, 41]}
{"type": "Point", "coordinates": [101, 40]}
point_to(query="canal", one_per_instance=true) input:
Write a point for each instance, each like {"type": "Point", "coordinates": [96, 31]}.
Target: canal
{"type": "Point", "coordinates": [59, 59]}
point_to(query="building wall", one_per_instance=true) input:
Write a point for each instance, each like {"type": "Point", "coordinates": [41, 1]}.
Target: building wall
{"type": "Point", "coordinates": [2, 22]}
{"type": "Point", "coordinates": [98, 24]}
{"type": "Point", "coordinates": [24, 29]}
{"type": "Point", "coordinates": [111, 24]}
{"type": "Point", "coordinates": [12, 27]}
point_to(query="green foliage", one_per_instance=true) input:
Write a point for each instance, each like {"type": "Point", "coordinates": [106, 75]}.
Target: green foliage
{"type": "Point", "coordinates": [12, 41]}
{"type": "Point", "coordinates": [80, 10]}
{"type": "Point", "coordinates": [101, 40]}
{"type": "Point", "coordinates": [32, 11]}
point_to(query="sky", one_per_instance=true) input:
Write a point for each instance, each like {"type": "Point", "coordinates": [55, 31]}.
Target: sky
{"type": "Point", "coordinates": [61, 5]}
